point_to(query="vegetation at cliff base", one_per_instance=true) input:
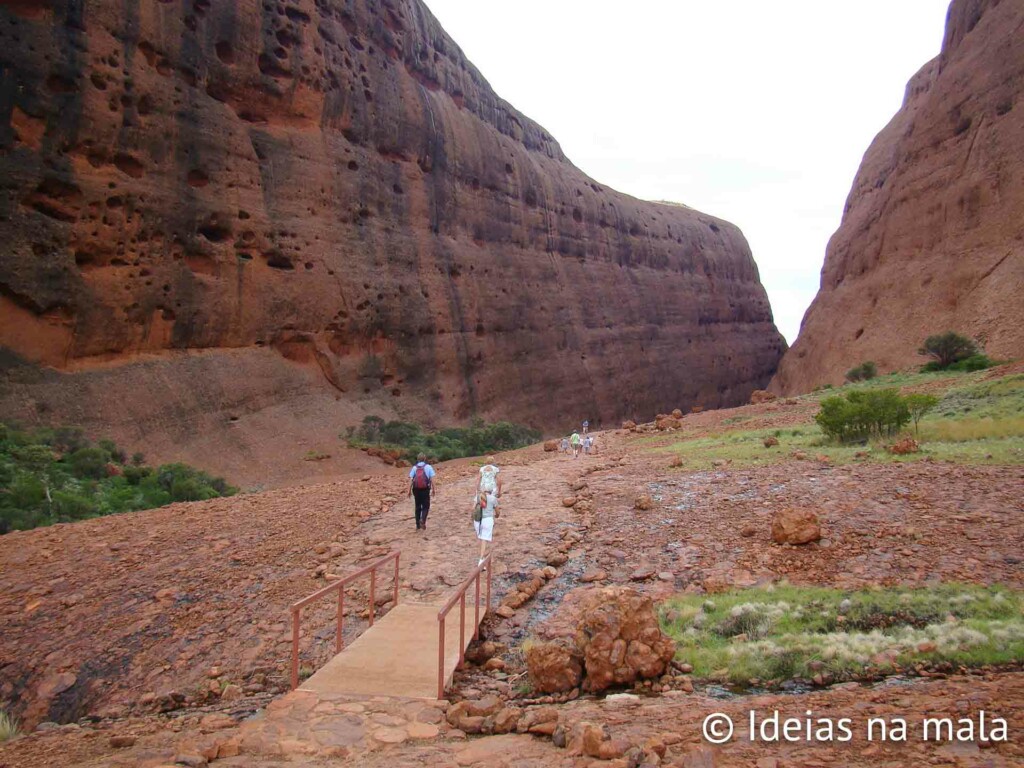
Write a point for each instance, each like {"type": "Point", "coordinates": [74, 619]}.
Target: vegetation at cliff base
{"type": "Point", "coordinates": [952, 352]}
{"type": "Point", "coordinates": [58, 476]}
{"type": "Point", "coordinates": [406, 441]}
{"type": "Point", "coordinates": [782, 632]}
{"type": "Point", "coordinates": [960, 417]}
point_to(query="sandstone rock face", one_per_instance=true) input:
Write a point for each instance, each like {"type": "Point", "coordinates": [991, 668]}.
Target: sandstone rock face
{"type": "Point", "coordinates": [932, 237]}
{"type": "Point", "coordinates": [336, 184]}
{"type": "Point", "coordinates": [795, 526]}
{"type": "Point", "coordinates": [620, 640]}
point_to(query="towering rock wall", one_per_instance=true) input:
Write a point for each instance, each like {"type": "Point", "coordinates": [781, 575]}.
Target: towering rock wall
{"type": "Point", "coordinates": [330, 186]}
{"type": "Point", "coordinates": [932, 236]}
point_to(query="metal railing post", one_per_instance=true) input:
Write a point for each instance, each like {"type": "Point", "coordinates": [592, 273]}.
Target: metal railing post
{"type": "Point", "coordinates": [462, 626]}
{"type": "Point", "coordinates": [440, 658]}
{"type": "Point", "coordinates": [488, 585]}
{"type": "Point", "coordinates": [295, 647]}
{"type": "Point", "coordinates": [476, 609]}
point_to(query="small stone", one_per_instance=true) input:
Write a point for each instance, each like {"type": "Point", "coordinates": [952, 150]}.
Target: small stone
{"type": "Point", "coordinates": [391, 735]}
{"type": "Point", "coordinates": [418, 730]}
{"type": "Point", "coordinates": [122, 741]}
{"type": "Point", "coordinates": [231, 692]}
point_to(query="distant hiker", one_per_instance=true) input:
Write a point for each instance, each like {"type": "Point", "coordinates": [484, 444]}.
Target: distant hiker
{"type": "Point", "coordinates": [588, 443]}
{"type": "Point", "coordinates": [421, 488]}
{"type": "Point", "coordinates": [485, 509]}
{"type": "Point", "coordinates": [565, 445]}
{"type": "Point", "coordinates": [586, 427]}
{"type": "Point", "coordinates": [490, 480]}
{"type": "Point", "coordinates": [574, 441]}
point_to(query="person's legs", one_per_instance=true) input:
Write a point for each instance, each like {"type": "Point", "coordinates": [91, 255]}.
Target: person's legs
{"type": "Point", "coordinates": [422, 496]}
{"type": "Point", "coordinates": [485, 531]}
{"type": "Point", "coordinates": [426, 507]}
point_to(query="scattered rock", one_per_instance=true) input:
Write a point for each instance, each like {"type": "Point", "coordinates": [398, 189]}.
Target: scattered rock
{"type": "Point", "coordinates": [550, 446]}
{"type": "Point", "coordinates": [122, 741]}
{"type": "Point", "coordinates": [593, 574]}
{"type": "Point", "coordinates": [553, 668]}
{"type": "Point", "coordinates": [904, 446]}
{"type": "Point", "coordinates": [771, 441]}
{"type": "Point", "coordinates": [619, 639]}
{"type": "Point", "coordinates": [759, 396]}
{"type": "Point", "coordinates": [643, 503]}
{"type": "Point", "coordinates": [795, 526]}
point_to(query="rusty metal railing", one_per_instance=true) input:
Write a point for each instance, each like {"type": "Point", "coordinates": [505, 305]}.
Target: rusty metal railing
{"type": "Point", "coordinates": [339, 585]}
{"type": "Point", "coordinates": [460, 597]}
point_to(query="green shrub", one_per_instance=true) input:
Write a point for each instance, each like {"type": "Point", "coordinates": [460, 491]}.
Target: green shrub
{"type": "Point", "coordinates": [410, 440]}
{"type": "Point", "coordinates": [862, 372]}
{"type": "Point", "coordinates": [947, 348]}
{"type": "Point", "coordinates": [69, 506]}
{"type": "Point", "coordinates": [973, 363]}
{"type": "Point", "coordinates": [860, 415]}
{"type": "Point", "coordinates": [55, 475]}
{"type": "Point", "coordinates": [89, 462]}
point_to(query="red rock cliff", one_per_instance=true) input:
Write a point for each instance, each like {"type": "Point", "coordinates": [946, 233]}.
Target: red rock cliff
{"type": "Point", "coordinates": [932, 237]}
{"type": "Point", "coordinates": [332, 185]}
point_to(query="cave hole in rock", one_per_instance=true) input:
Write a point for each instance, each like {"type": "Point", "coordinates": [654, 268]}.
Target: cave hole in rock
{"type": "Point", "coordinates": [198, 178]}
{"type": "Point", "coordinates": [214, 231]}
{"type": "Point", "coordinates": [278, 260]}
{"type": "Point", "coordinates": [225, 51]}
{"type": "Point", "coordinates": [129, 165]}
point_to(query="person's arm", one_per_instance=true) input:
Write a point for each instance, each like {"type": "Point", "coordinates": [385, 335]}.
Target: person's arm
{"type": "Point", "coordinates": [433, 484]}
{"type": "Point", "coordinates": [499, 484]}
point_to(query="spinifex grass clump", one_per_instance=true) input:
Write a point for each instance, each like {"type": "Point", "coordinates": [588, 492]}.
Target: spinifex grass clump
{"type": "Point", "coordinates": [8, 726]}
{"type": "Point", "coordinates": [58, 476]}
{"type": "Point", "coordinates": [784, 632]}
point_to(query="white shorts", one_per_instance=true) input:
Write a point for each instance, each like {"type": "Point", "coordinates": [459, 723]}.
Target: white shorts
{"type": "Point", "coordinates": [484, 529]}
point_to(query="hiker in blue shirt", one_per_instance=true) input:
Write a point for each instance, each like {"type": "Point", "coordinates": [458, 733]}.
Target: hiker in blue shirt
{"type": "Point", "coordinates": [421, 488]}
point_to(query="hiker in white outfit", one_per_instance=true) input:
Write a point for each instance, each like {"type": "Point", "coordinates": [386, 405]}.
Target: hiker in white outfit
{"type": "Point", "coordinates": [490, 479]}
{"type": "Point", "coordinates": [484, 511]}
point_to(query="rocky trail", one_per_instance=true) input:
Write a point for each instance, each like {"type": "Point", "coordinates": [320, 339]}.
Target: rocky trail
{"type": "Point", "coordinates": [167, 630]}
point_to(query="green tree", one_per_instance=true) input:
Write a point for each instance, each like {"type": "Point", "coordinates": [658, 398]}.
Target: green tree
{"type": "Point", "coordinates": [860, 415]}
{"type": "Point", "coordinates": [919, 404]}
{"type": "Point", "coordinates": [948, 348]}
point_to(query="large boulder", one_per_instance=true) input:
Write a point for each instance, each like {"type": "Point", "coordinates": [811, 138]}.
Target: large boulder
{"type": "Point", "coordinates": [619, 639]}
{"type": "Point", "coordinates": [759, 396]}
{"type": "Point", "coordinates": [553, 668]}
{"type": "Point", "coordinates": [550, 446]}
{"type": "Point", "coordinates": [795, 526]}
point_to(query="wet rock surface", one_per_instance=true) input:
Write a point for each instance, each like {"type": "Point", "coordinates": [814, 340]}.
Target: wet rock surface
{"type": "Point", "coordinates": [191, 567]}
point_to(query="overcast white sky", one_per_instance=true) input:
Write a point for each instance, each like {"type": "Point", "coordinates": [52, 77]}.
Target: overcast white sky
{"type": "Point", "coordinates": [758, 112]}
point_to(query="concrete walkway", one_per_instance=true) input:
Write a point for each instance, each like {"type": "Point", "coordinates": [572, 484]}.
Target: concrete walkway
{"type": "Point", "coordinates": [397, 656]}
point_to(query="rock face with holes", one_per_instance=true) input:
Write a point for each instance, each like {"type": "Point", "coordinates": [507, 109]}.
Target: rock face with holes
{"type": "Point", "coordinates": [335, 188]}
{"type": "Point", "coordinates": [932, 237]}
